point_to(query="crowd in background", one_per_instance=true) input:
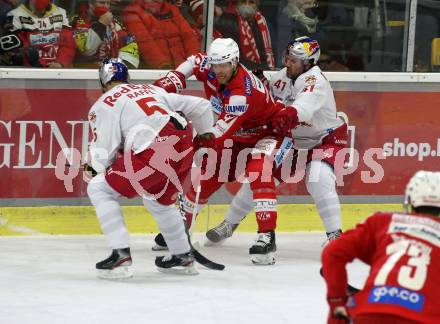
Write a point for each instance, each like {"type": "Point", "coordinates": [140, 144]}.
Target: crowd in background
{"type": "Point", "coordinates": [160, 34]}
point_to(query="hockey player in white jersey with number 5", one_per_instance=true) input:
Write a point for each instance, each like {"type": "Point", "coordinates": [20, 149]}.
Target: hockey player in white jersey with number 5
{"type": "Point", "coordinates": [142, 146]}
{"type": "Point", "coordinates": [310, 115]}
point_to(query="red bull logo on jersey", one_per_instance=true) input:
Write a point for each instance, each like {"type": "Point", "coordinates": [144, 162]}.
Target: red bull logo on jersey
{"type": "Point", "coordinates": [397, 296]}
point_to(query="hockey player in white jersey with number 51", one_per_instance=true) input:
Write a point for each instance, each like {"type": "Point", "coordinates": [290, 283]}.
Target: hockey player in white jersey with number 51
{"type": "Point", "coordinates": [310, 116]}
{"type": "Point", "coordinates": [143, 147]}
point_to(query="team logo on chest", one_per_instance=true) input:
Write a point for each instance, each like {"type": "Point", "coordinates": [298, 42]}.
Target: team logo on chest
{"type": "Point", "coordinates": [311, 79]}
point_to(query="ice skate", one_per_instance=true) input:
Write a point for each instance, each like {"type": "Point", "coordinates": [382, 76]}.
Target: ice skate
{"type": "Point", "coordinates": [331, 236]}
{"type": "Point", "coordinates": [218, 234]}
{"type": "Point", "coordinates": [177, 264]}
{"type": "Point", "coordinates": [116, 266]}
{"type": "Point", "coordinates": [263, 250]}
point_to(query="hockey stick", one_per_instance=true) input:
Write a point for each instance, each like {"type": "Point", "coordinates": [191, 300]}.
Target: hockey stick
{"type": "Point", "coordinates": [350, 289]}
{"type": "Point", "coordinates": [195, 211]}
{"type": "Point", "coordinates": [200, 258]}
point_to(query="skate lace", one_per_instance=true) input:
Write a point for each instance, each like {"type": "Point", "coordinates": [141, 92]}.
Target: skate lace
{"type": "Point", "coordinates": [263, 239]}
{"type": "Point", "coordinates": [167, 257]}
{"type": "Point", "coordinates": [225, 228]}
{"type": "Point", "coordinates": [331, 237]}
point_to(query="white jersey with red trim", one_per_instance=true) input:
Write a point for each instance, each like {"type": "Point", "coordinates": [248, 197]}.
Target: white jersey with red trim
{"type": "Point", "coordinates": [312, 96]}
{"type": "Point", "coordinates": [130, 116]}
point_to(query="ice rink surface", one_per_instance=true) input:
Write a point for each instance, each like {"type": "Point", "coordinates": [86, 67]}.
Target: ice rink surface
{"type": "Point", "coordinates": [51, 279]}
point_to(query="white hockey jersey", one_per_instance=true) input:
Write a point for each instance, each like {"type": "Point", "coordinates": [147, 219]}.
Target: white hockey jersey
{"type": "Point", "coordinates": [313, 98]}
{"type": "Point", "coordinates": [130, 116]}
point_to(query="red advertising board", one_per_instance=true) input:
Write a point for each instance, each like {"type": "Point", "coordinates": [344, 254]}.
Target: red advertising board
{"type": "Point", "coordinates": [35, 124]}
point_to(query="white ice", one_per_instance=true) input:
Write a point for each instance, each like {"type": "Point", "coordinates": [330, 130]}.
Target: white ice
{"type": "Point", "coordinates": [51, 279]}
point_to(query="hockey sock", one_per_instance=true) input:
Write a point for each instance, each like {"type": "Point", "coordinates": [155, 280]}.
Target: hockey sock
{"type": "Point", "coordinates": [265, 206]}
{"type": "Point", "coordinates": [170, 224]}
{"type": "Point", "coordinates": [109, 213]}
{"type": "Point", "coordinates": [321, 185]}
{"type": "Point", "coordinates": [241, 205]}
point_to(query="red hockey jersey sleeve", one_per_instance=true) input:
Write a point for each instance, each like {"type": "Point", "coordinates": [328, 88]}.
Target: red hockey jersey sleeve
{"type": "Point", "coordinates": [357, 243]}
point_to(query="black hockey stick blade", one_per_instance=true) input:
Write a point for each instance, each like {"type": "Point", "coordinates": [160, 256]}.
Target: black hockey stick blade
{"type": "Point", "coordinates": [200, 258]}
{"type": "Point", "coordinates": [350, 289]}
{"type": "Point", "coordinates": [204, 261]}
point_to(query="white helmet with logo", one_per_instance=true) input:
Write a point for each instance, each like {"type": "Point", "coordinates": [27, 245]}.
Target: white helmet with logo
{"type": "Point", "coordinates": [303, 48]}
{"type": "Point", "coordinates": [423, 189]}
{"type": "Point", "coordinates": [223, 50]}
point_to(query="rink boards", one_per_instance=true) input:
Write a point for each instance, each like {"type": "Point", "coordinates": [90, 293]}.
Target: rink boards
{"type": "Point", "coordinates": [82, 219]}
{"type": "Point", "coordinates": [392, 113]}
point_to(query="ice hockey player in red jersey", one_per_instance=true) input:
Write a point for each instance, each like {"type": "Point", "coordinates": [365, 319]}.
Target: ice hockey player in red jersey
{"type": "Point", "coordinates": [144, 122]}
{"type": "Point", "coordinates": [403, 250]}
{"type": "Point", "coordinates": [245, 109]}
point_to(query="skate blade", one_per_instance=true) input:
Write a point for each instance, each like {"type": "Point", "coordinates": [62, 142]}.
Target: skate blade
{"type": "Point", "coordinates": [263, 259]}
{"type": "Point", "coordinates": [158, 247]}
{"type": "Point", "coordinates": [187, 271]}
{"type": "Point", "coordinates": [115, 274]}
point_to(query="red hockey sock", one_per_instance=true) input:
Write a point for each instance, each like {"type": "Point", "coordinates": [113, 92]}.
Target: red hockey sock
{"type": "Point", "coordinates": [265, 206]}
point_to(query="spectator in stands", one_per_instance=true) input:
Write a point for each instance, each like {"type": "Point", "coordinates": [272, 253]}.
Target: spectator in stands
{"type": "Point", "coordinates": [43, 26]}
{"type": "Point", "coordinates": [242, 21]}
{"type": "Point", "coordinates": [164, 36]}
{"type": "Point", "coordinates": [185, 9]}
{"type": "Point", "coordinates": [196, 13]}
{"type": "Point", "coordinates": [295, 18]}
{"type": "Point", "coordinates": [328, 63]}
{"type": "Point", "coordinates": [99, 35]}
{"type": "Point", "coordinates": [5, 7]}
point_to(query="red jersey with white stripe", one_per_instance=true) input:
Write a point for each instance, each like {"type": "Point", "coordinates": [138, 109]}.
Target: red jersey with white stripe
{"type": "Point", "coordinates": [245, 107]}
{"type": "Point", "coordinates": [403, 251]}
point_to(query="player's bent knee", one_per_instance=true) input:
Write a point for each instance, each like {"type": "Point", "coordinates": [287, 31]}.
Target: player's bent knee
{"type": "Point", "coordinates": [156, 208]}
{"type": "Point", "coordinates": [98, 189]}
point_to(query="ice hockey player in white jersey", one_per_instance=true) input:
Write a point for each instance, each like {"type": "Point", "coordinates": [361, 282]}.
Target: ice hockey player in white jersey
{"type": "Point", "coordinates": [142, 146]}
{"type": "Point", "coordinates": [311, 117]}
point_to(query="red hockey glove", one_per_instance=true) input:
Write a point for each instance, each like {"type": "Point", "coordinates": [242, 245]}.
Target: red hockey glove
{"type": "Point", "coordinates": [206, 140]}
{"type": "Point", "coordinates": [338, 310]}
{"type": "Point", "coordinates": [174, 82]}
{"type": "Point", "coordinates": [284, 120]}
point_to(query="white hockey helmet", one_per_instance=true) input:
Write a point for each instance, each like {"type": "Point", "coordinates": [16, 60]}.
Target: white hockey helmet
{"type": "Point", "coordinates": [423, 189]}
{"type": "Point", "coordinates": [303, 48]}
{"type": "Point", "coordinates": [223, 50]}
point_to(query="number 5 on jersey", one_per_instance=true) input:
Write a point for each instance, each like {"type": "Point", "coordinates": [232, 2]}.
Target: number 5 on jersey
{"type": "Point", "coordinates": [148, 107]}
